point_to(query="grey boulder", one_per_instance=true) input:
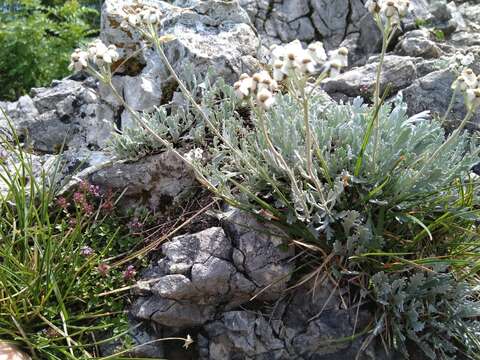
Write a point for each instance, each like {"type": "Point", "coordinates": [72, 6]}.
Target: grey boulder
{"type": "Point", "coordinates": [155, 181]}
{"type": "Point", "coordinates": [208, 34]}
{"type": "Point", "coordinates": [433, 93]}
{"type": "Point", "coordinates": [63, 115]}
{"type": "Point", "coordinates": [203, 274]}
{"type": "Point", "coordinates": [398, 72]}
{"type": "Point", "coordinates": [302, 325]}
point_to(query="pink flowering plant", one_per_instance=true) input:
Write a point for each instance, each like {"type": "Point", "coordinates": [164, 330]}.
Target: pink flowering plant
{"type": "Point", "coordinates": [56, 262]}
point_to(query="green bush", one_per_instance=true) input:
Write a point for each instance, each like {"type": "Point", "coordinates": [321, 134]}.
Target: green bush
{"type": "Point", "coordinates": [36, 39]}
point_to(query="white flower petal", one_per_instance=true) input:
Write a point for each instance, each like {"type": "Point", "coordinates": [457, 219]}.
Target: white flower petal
{"type": "Point", "coordinates": [470, 78]}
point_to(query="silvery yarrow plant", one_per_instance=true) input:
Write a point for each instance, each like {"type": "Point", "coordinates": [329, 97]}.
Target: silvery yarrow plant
{"type": "Point", "coordinates": [382, 198]}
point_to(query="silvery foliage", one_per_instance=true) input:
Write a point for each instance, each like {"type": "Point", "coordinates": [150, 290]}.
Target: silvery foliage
{"type": "Point", "coordinates": [396, 172]}
{"type": "Point", "coordinates": [135, 142]}
{"type": "Point", "coordinates": [431, 309]}
{"type": "Point", "coordinates": [399, 175]}
{"type": "Point", "coordinates": [174, 122]}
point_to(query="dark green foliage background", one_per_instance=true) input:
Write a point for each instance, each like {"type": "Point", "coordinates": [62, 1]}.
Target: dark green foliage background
{"type": "Point", "coordinates": [36, 39]}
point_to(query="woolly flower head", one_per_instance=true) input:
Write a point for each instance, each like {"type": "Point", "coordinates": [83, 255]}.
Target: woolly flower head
{"type": "Point", "coordinates": [293, 60]}
{"type": "Point", "coordinates": [265, 99]}
{"type": "Point", "coordinates": [469, 84]}
{"type": "Point", "coordinates": [138, 14]}
{"type": "Point", "coordinates": [292, 57]}
{"type": "Point", "coordinates": [194, 155]}
{"type": "Point", "coordinates": [97, 53]}
{"type": "Point", "coordinates": [473, 99]}
{"type": "Point", "coordinates": [389, 10]}
{"type": "Point", "coordinates": [338, 59]}
{"type": "Point", "coordinates": [102, 54]}
{"type": "Point", "coordinates": [78, 60]}
{"type": "Point", "coordinates": [290, 61]}
{"type": "Point", "coordinates": [467, 80]}
{"type": "Point", "coordinates": [260, 86]}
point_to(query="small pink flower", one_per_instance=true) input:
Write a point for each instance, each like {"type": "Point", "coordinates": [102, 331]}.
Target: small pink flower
{"type": "Point", "coordinates": [108, 202]}
{"type": "Point", "coordinates": [72, 222]}
{"type": "Point", "coordinates": [135, 225]}
{"type": "Point", "coordinates": [78, 197]}
{"type": "Point", "coordinates": [129, 273]}
{"type": "Point", "coordinates": [63, 203]}
{"type": "Point", "coordinates": [86, 251]}
{"type": "Point", "coordinates": [94, 190]}
{"type": "Point", "coordinates": [87, 208]}
{"type": "Point", "coordinates": [84, 186]}
{"type": "Point", "coordinates": [103, 269]}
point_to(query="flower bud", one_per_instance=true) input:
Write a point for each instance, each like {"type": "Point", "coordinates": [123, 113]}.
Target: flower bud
{"type": "Point", "coordinates": [265, 99]}
{"type": "Point", "coordinates": [473, 99]}
{"type": "Point", "coordinates": [470, 78]}
{"type": "Point", "coordinates": [459, 84]}
{"type": "Point", "coordinates": [372, 6]}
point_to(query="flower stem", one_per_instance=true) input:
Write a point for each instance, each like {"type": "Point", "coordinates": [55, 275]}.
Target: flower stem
{"type": "Point", "coordinates": [450, 106]}
{"type": "Point", "coordinates": [453, 136]}
{"type": "Point", "coordinates": [387, 34]}
{"type": "Point", "coordinates": [309, 145]}
{"type": "Point", "coordinates": [200, 177]}
{"type": "Point", "coordinates": [280, 159]}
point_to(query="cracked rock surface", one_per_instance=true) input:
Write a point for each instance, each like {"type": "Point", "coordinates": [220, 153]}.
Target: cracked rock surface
{"type": "Point", "coordinates": [155, 181]}
{"type": "Point", "coordinates": [301, 326]}
{"type": "Point", "coordinates": [205, 273]}
{"type": "Point", "coordinates": [208, 34]}
{"type": "Point", "coordinates": [418, 64]}
{"type": "Point", "coordinates": [64, 114]}
{"type": "Point", "coordinates": [336, 23]}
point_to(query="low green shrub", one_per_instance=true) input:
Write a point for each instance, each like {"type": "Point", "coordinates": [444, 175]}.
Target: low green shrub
{"type": "Point", "coordinates": [177, 123]}
{"type": "Point", "coordinates": [36, 40]}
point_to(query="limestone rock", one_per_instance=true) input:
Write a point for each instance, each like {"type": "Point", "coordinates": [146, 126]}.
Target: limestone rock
{"type": "Point", "coordinates": [398, 72]}
{"type": "Point", "coordinates": [155, 181]}
{"type": "Point", "coordinates": [202, 274]}
{"type": "Point", "coordinates": [433, 92]}
{"type": "Point", "coordinates": [336, 23]}
{"type": "Point", "coordinates": [64, 114]}
{"type": "Point", "coordinates": [300, 327]}
{"type": "Point", "coordinates": [257, 251]}
{"type": "Point", "coordinates": [418, 43]}
{"type": "Point", "coordinates": [208, 34]}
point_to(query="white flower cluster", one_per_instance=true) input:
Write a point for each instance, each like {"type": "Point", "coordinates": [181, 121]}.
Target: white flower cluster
{"type": "Point", "coordinates": [392, 10]}
{"type": "Point", "coordinates": [194, 155]}
{"type": "Point", "coordinates": [261, 85]}
{"type": "Point", "coordinates": [293, 58]}
{"type": "Point", "coordinates": [139, 14]}
{"type": "Point", "coordinates": [469, 84]}
{"type": "Point", "coordinates": [290, 60]}
{"type": "Point", "coordinates": [98, 53]}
